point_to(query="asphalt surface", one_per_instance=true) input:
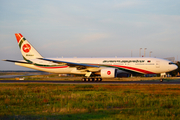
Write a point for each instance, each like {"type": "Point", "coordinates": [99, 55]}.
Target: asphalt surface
{"type": "Point", "coordinates": [177, 81]}
{"type": "Point", "coordinates": [28, 74]}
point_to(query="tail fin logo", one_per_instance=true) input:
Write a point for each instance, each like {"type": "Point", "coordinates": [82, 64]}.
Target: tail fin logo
{"type": "Point", "coordinates": [26, 48]}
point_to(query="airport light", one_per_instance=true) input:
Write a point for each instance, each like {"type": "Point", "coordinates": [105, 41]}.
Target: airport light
{"type": "Point", "coordinates": [150, 53]}
{"type": "Point", "coordinates": [140, 52]}
{"type": "Point", "coordinates": [145, 52]}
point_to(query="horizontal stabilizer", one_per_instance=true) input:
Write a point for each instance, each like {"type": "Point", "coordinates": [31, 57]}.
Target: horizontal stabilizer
{"type": "Point", "coordinates": [17, 61]}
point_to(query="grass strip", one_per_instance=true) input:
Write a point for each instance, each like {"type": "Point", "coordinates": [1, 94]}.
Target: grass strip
{"type": "Point", "coordinates": [56, 101]}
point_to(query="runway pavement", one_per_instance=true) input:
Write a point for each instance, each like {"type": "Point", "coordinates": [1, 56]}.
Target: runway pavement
{"type": "Point", "coordinates": [177, 81]}
{"type": "Point", "coordinates": [27, 74]}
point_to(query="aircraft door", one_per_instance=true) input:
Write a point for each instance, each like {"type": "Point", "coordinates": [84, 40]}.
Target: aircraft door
{"type": "Point", "coordinates": [157, 64]}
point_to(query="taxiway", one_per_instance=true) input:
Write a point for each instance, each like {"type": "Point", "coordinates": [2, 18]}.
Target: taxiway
{"type": "Point", "coordinates": [177, 81]}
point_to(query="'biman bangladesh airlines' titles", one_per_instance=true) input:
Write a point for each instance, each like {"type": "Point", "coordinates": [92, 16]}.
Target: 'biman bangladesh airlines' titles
{"type": "Point", "coordinates": [94, 69]}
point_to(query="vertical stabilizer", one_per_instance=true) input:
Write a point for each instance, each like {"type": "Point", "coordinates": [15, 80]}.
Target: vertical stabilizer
{"type": "Point", "coordinates": [27, 50]}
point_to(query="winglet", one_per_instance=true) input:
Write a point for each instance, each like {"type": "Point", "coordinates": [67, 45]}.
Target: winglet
{"type": "Point", "coordinates": [18, 36]}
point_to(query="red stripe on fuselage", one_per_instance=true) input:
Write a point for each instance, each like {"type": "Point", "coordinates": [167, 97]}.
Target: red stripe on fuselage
{"type": "Point", "coordinates": [134, 69]}
{"type": "Point", "coordinates": [52, 67]}
{"type": "Point", "coordinates": [131, 69]}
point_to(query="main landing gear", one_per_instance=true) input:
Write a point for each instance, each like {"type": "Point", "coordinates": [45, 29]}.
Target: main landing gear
{"type": "Point", "coordinates": [161, 80]}
{"type": "Point", "coordinates": [91, 79]}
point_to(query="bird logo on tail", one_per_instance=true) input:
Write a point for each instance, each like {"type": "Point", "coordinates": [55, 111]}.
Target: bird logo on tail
{"type": "Point", "coordinates": [26, 48]}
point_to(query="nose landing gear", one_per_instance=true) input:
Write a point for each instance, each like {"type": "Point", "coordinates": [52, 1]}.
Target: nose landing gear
{"type": "Point", "coordinates": [161, 80]}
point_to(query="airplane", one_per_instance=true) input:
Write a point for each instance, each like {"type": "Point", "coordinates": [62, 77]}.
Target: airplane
{"type": "Point", "coordinates": [94, 69]}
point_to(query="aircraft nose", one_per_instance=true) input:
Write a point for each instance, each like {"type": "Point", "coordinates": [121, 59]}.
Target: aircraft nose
{"type": "Point", "coordinates": [174, 67]}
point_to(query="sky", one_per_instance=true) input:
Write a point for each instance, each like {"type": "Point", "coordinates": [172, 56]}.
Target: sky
{"type": "Point", "coordinates": [90, 28]}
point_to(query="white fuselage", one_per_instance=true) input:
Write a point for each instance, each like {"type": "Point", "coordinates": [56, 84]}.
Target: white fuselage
{"type": "Point", "coordinates": [142, 65]}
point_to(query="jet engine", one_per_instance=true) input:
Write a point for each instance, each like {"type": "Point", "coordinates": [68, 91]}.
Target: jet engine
{"type": "Point", "coordinates": [108, 73]}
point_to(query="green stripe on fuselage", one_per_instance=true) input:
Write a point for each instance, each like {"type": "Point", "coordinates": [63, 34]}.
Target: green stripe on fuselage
{"type": "Point", "coordinates": [48, 65]}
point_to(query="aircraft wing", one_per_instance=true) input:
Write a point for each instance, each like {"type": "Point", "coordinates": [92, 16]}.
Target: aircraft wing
{"type": "Point", "coordinates": [71, 64]}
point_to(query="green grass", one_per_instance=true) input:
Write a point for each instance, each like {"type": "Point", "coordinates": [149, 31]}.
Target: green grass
{"type": "Point", "coordinates": [54, 101]}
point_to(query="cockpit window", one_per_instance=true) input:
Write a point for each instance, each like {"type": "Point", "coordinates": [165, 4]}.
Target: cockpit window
{"type": "Point", "coordinates": [171, 63]}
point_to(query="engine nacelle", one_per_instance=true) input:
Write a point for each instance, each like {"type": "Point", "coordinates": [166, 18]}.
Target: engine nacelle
{"type": "Point", "coordinates": [108, 73]}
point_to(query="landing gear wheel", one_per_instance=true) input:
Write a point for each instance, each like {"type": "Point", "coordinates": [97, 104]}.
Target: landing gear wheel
{"type": "Point", "coordinates": [87, 79]}
{"type": "Point", "coordinates": [161, 80]}
{"type": "Point", "coordinates": [96, 79]}
{"type": "Point", "coordinates": [99, 79]}
{"type": "Point", "coordinates": [91, 79]}
{"type": "Point", "coordinates": [84, 79]}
